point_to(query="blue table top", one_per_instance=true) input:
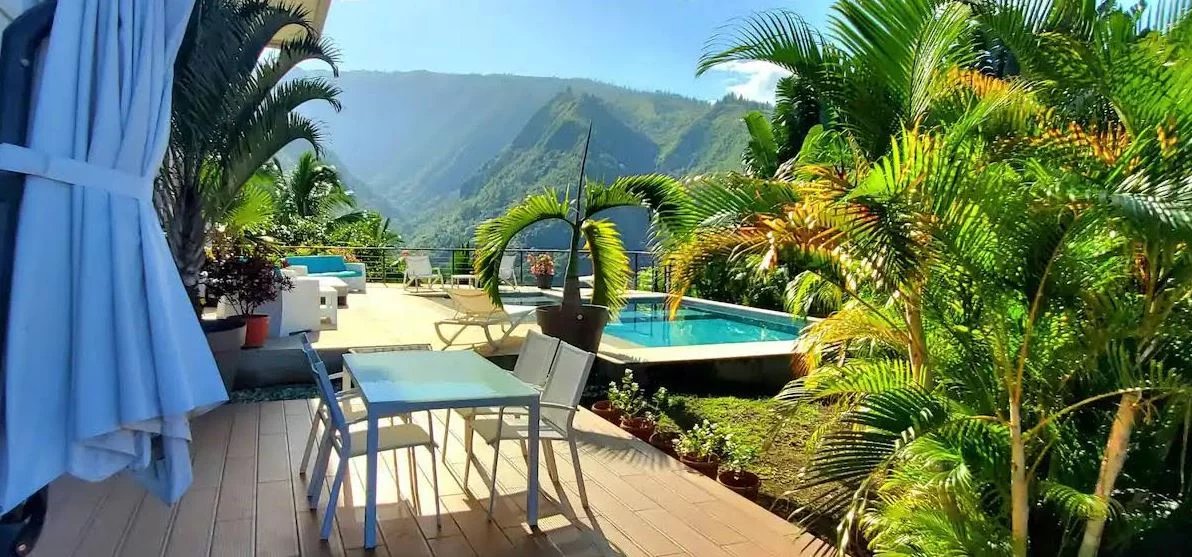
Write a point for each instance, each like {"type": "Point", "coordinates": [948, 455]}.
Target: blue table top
{"type": "Point", "coordinates": [423, 379]}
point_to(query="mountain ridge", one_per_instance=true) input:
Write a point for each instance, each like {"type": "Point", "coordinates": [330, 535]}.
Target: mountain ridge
{"type": "Point", "coordinates": [427, 149]}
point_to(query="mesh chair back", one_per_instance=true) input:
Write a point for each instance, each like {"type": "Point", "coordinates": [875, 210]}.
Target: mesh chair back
{"type": "Point", "coordinates": [419, 266]}
{"type": "Point", "coordinates": [388, 348]}
{"type": "Point", "coordinates": [327, 393]}
{"type": "Point", "coordinates": [565, 385]}
{"type": "Point", "coordinates": [508, 267]}
{"type": "Point", "coordinates": [536, 358]}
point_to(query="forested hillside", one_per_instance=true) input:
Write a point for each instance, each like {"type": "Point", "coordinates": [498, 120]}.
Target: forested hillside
{"type": "Point", "coordinates": [440, 152]}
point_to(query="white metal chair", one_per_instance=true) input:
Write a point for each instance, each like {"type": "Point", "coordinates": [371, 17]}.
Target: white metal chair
{"type": "Point", "coordinates": [352, 408]}
{"type": "Point", "coordinates": [419, 269]}
{"type": "Point", "coordinates": [533, 367]}
{"type": "Point", "coordinates": [508, 271]}
{"type": "Point", "coordinates": [473, 308]}
{"type": "Point", "coordinates": [348, 444]}
{"type": "Point", "coordinates": [560, 398]}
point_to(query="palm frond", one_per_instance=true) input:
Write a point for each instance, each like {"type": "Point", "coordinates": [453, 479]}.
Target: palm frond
{"type": "Point", "coordinates": [610, 264]}
{"type": "Point", "coordinates": [494, 235]}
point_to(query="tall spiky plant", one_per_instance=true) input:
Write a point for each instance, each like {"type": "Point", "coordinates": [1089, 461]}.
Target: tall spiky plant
{"type": "Point", "coordinates": [232, 112]}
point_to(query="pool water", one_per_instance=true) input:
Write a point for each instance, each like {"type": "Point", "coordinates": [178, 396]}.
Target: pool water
{"type": "Point", "coordinates": [647, 323]}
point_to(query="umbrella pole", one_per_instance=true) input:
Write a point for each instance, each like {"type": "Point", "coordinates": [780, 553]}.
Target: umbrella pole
{"type": "Point", "coordinates": [21, 526]}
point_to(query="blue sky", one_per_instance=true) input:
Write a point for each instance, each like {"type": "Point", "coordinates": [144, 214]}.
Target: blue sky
{"type": "Point", "coordinates": [644, 44]}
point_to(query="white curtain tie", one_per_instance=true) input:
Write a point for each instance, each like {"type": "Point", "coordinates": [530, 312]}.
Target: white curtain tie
{"type": "Point", "coordinates": [23, 160]}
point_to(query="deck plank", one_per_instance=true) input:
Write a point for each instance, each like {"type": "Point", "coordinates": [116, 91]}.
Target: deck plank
{"type": "Point", "coordinates": [249, 499]}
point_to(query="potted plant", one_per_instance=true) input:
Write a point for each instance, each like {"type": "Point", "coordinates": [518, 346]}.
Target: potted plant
{"type": "Point", "coordinates": [664, 438]}
{"type": "Point", "coordinates": [575, 322]}
{"type": "Point", "coordinates": [734, 473]}
{"type": "Point", "coordinates": [246, 277]}
{"type": "Point", "coordinates": [639, 415]}
{"type": "Point", "coordinates": [699, 448]}
{"type": "Point", "coordinates": [542, 266]}
{"type": "Point", "coordinates": [611, 407]}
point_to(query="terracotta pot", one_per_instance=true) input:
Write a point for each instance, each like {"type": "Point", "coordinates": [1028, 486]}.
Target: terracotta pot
{"type": "Point", "coordinates": [544, 281]}
{"type": "Point", "coordinates": [638, 427]}
{"type": "Point", "coordinates": [707, 467]}
{"type": "Point", "coordinates": [744, 484]}
{"type": "Point", "coordinates": [225, 337]}
{"type": "Point", "coordinates": [605, 410]}
{"type": "Point", "coordinates": [665, 441]}
{"type": "Point", "coordinates": [256, 330]}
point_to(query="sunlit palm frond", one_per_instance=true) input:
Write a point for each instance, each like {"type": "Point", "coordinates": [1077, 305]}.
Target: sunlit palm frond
{"type": "Point", "coordinates": [494, 235]}
{"type": "Point", "coordinates": [610, 264]}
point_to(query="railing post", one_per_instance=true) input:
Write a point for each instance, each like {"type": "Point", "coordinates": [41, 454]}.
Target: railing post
{"type": "Point", "coordinates": [384, 268]}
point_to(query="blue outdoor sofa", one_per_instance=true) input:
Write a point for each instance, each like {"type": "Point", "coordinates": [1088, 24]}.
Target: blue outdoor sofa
{"type": "Point", "coordinates": [331, 266]}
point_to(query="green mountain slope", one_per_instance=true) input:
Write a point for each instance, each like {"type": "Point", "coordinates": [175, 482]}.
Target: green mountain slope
{"type": "Point", "coordinates": [547, 154]}
{"type": "Point", "coordinates": [431, 149]}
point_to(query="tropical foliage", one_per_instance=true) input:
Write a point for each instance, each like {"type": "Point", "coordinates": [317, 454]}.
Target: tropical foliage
{"type": "Point", "coordinates": [232, 111]}
{"type": "Point", "coordinates": [610, 262]}
{"type": "Point", "coordinates": [991, 204]}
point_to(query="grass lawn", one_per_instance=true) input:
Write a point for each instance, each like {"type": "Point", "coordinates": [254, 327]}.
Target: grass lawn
{"type": "Point", "coordinates": [751, 420]}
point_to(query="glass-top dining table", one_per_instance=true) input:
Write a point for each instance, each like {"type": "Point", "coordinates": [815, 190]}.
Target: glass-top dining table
{"type": "Point", "coordinates": [393, 383]}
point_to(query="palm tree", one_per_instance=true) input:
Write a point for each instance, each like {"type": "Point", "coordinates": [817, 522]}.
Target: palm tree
{"type": "Point", "coordinates": [313, 190]}
{"type": "Point", "coordinates": [232, 112]}
{"type": "Point", "coordinates": [979, 262]}
{"type": "Point", "coordinates": [610, 262]}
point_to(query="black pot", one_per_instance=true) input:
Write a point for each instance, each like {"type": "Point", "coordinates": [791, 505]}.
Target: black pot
{"type": "Point", "coordinates": [544, 281]}
{"type": "Point", "coordinates": [582, 329]}
{"type": "Point", "coordinates": [225, 337]}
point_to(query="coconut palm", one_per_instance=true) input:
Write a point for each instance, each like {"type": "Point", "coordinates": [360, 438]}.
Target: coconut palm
{"type": "Point", "coordinates": [232, 111]}
{"type": "Point", "coordinates": [313, 190]}
{"type": "Point", "coordinates": [985, 267]}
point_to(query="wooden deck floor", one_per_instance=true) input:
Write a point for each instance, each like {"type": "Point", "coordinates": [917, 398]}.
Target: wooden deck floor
{"type": "Point", "coordinates": [248, 499]}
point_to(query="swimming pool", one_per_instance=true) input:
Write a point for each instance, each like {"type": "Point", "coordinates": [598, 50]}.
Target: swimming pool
{"type": "Point", "coordinates": [645, 322]}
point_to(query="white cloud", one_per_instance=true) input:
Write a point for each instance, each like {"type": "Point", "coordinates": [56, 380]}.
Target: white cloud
{"type": "Point", "coordinates": [753, 80]}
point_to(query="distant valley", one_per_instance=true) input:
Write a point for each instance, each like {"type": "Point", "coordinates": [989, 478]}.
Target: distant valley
{"type": "Point", "coordinates": [438, 153]}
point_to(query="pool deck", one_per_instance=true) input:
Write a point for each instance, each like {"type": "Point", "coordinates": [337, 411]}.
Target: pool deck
{"type": "Point", "coordinates": [388, 314]}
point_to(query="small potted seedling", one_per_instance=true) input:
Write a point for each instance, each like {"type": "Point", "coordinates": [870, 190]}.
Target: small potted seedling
{"type": "Point", "coordinates": [734, 473]}
{"type": "Point", "coordinates": [641, 414]}
{"type": "Point", "coordinates": [700, 446]}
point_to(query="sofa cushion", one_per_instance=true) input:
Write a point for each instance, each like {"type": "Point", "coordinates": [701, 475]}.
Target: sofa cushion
{"type": "Point", "coordinates": [318, 264]}
{"type": "Point", "coordinates": [337, 274]}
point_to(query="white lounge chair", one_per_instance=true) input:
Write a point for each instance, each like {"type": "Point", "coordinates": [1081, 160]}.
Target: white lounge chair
{"type": "Point", "coordinates": [508, 273]}
{"type": "Point", "coordinates": [473, 308]}
{"type": "Point", "coordinates": [419, 270]}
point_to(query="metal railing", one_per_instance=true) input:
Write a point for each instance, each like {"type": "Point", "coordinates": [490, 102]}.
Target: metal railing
{"type": "Point", "coordinates": [387, 265]}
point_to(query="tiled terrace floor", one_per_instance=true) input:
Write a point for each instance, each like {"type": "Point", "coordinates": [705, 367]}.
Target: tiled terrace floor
{"type": "Point", "coordinates": [248, 499]}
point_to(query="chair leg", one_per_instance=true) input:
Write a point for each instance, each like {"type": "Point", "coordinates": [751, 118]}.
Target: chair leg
{"type": "Point", "coordinates": [579, 473]}
{"type": "Point", "coordinates": [332, 503]}
{"type": "Point", "coordinates": [525, 451]}
{"type": "Point", "coordinates": [414, 494]}
{"type": "Point", "coordinates": [322, 459]}
{"type": "Point", "coordinates": [310, 443]}
{"type": "Point", "coordinates": [434, 480]}
{"type": "Point", "coordinates": [492, 492]}
{"type": "Point", "coordinates": [467, 450]}
{"type": "Point", "coordinates": [548, 449]}
{"type": "Point", "coordinates": [446, 436]}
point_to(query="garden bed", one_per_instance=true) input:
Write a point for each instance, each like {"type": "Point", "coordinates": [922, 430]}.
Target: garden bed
{"type": "Point", "coordinates": [751, 420]}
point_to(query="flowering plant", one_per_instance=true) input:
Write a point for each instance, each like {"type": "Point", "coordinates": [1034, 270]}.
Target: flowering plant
{"type": "Point", "coordinates": [541, 264]}
{"type": "Point", "coordinates": [738, 457]}
{"type": "Point", "coordinates": [629, 398]}
{"type": "Point", "coordinates": [702, 442]}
